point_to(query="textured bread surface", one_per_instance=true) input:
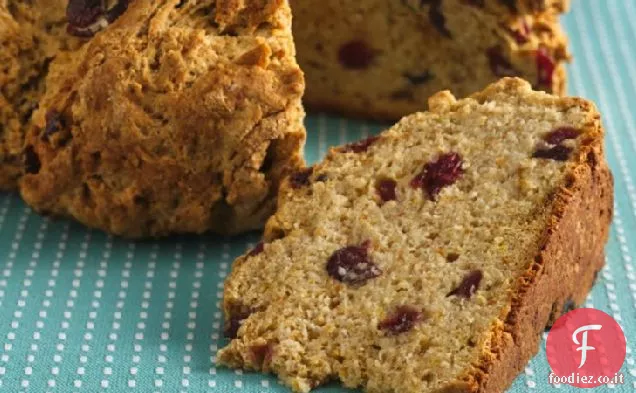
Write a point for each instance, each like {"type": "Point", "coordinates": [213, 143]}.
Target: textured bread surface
{"type": "Point", "coordinates": [178, 117]}
{"type": "Point", "coordinates": [531, 229]}
{"type": "Point", "coordinates": [383, 59]}
{"type": "Point", "coordinates": [32, 34]}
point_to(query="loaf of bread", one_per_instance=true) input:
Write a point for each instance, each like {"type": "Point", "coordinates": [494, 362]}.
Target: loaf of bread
{"type": "Point", "coordinates": [429, 258]}
{"type": "Point", "coordinates": [382, 59]}
{"type": "Point", "coordinates": [174, 117]}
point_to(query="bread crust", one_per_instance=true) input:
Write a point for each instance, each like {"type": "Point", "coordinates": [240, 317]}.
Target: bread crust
{"type": "Point", "coordinates": [563, 272]}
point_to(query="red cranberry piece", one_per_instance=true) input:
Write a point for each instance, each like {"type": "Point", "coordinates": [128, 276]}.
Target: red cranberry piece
{"type": "Point", "coordinates": [475, 3]}
{"type": "Point", "coordinates": [419, 79]}
{"type": "Point", "coordinates": [545, 68]}
{"type": "Point", "coordinates": [437, 18]}
{"type": "Point", "coordinates": [499, 65]}
{"type": "Point", "coordinates": [53, 123]}
{"type": "Point", "coordinates": [360, 146]}
{"type": "Point", "coordinates": [301, 178]}
{"type": "Point", "coordinates": [322, 177]}
{"type": "Point", "coordinates": [401, 320]}
{"type": "Point", "coordinates": [257, 249]}
{"type": "Point", "coordinates": [118, 10]}
{"type": "Point", "coordinates": [84, 16]}
{"type": "Point", "coordinates": [468, 286]}
{"type": "Point", "coordinates": [439, 174]}
{"type": "Point", "coordinates": [32, 162]}
{"type": "Point", "coordinates": [352, 265]}
{"type": "Point", "coordinates": [556, 153]}
{"type": "Point", "coordinates": [262, 354]}
{"type": "Point", "coordinates": [83, 13]}
{"type": "Point", "coordinates": [511, 4]}
{"type": "Point", "coordinates": [386, 189]}
{"type": "Point", "coordinates": [233, 324]}
{"type": "Point", "coordinates": [356, 55]}
{"type": "Point", "coordinates": [557, 136]}
{"type": "Point", "coordinates": [522, 34]}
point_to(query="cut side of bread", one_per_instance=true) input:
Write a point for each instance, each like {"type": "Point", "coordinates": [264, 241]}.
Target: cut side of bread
{"type": "Point", "coordinates": [382, 59]}
{"type": "Point", "coordinates": [429, 258]}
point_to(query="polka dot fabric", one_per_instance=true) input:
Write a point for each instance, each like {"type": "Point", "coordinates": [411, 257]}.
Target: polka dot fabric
{"type": "Point", "coordinates": [83, 312]}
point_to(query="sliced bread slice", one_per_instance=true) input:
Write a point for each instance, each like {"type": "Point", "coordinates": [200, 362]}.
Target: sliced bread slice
{"type": "Point", "coordinates": [432, 257]}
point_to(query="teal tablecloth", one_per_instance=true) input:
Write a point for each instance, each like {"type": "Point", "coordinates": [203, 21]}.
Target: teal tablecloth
{"type": "Point", "coordinates": [83, 312]}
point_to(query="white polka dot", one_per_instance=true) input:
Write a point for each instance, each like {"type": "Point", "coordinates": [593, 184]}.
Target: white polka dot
{"type": "Point", "coordinates": [265, 383]}
{"type": "Point", "coordinates": [108, 371]}
{"type": "Point", "coordinates": [25, 383]}
{"type": "Point", "coordinates": [80, 371]}
{"type": "Point", "coordinates": [104, 383]}
{"type": "Point", "coordinates": [185, 383]}
{"type": "Point", "coordinates": [28, 370]}
{"type": "Point", "coordinates": [77, 383]}
{"type": "Point", "coordinates": [158, 382]}
{"type": "Point", "coordinates": [238, 384]}
{"type": "Point", "coordinates": [132, 383]}
{"type": "Point", "coordinates": [51, 383]}
{"type": "Point", "coordinates": [212, 383]}
{"type": "Point", "coordinates": [159, 371]}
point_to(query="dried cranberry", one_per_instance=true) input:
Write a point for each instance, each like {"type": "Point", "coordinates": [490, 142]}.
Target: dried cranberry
{"type": "Point", "coordinates": [233, 324]}
{"type": "Point", "coordinates": [83, 13]}
{"type": "Point", "coordinates": [301, 178]}
{"type": "Point", "coordinates": [262, 354]}
{"type": "Point", "coordinates": [53, 123]}
{"type": "Point", "coordinates": [32, 162]}
{"type": "Point", "coordinates": [356, 55]}
{"type": "Point", "coordinates": [468, 286]}
{"type": "Point", "coordinates": [401, 320]}
{"type": "Point", "coordinates": [257, 249]}
{"type": "Point", "coordinates": [439, 174]}
{"type": "Point", "coordinates": [386, 189]}
{"type": "Point", "coordinates": [360, 146]}
{"type": "Point", "coordinates": [499, 65]}
{"type": "Point", "coordinates": [437, 18]}
{"type": "Point", "coordinates": [560, 134]}
{"type": "Point", "coordinates": [419, 79]}
{"type": "Point", "coordinates": [522, 34]}
{"type": "Point", "coordinates": [512, 4]}
{"type": "Point", "coordinates": [556, 153]}
{"type": "Point", "coordinates": [322, 177]}
{"type": "Point", "coordinates": [118, 10]}
{"type": "Point", "coordinates": [475, 3]}
{"type": "Point", "coordinates": [545, 68]}
{"type": "Point", "coordinates": [352, 265]}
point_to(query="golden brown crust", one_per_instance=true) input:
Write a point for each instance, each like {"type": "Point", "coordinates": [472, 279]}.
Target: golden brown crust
{"type": "Point", "coordinates": [172, 120]}
{"type": "Point", "coordinates": [32, 34]}
{"type": "Point", "coordinates": [564, 270]}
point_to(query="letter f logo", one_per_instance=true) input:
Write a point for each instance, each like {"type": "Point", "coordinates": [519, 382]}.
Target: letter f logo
{"type": "Point", "coordinates": [583, 346]}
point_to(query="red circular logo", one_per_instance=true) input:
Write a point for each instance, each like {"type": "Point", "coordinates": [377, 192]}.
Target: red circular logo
{"type": "Point", "coordinates": [586, 349]}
